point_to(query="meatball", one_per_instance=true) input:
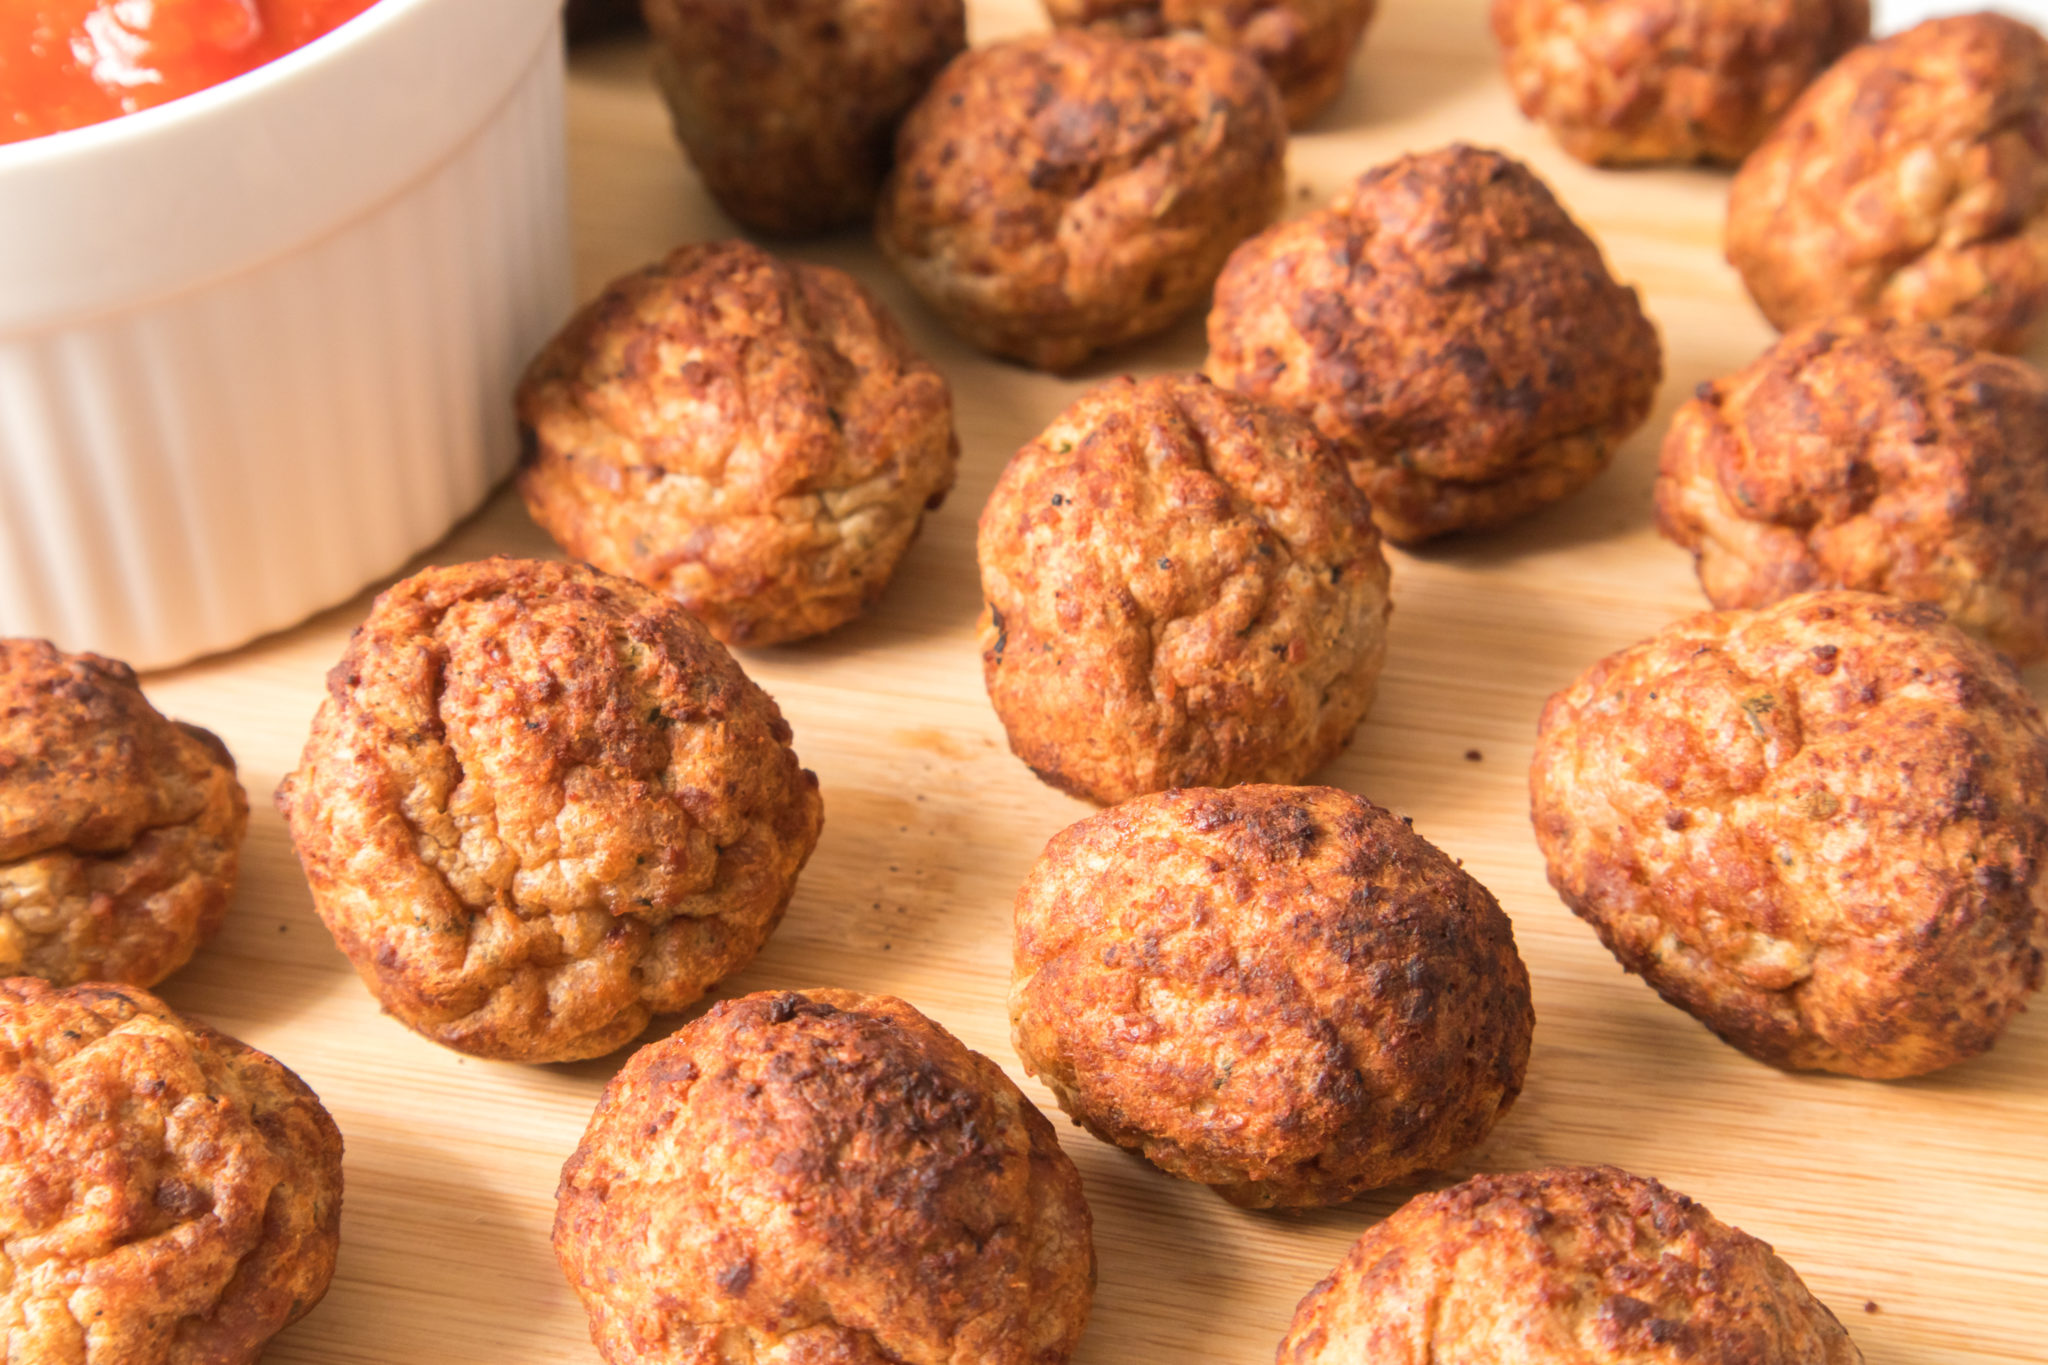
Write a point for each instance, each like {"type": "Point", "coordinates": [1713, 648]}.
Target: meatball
{"type": "Point", "coordinates": [119, 829]}
{"type": "Point", "coordinates": [540, 805]}
{"type": "Point", "coordinates": [826, 1178]}
{"type": "Point", "coordinates": [1623, 82]}
{"type": "Point", "coordinates": [754, 438]}
{"type": "Point", "coordinates": [1821, 828]}
{"type": "Point", "coordinates": [1870, 455]}
{"type": "Point", "coordinates": [1564, 1266]}
{"type": "Point", "coordinates": [1060, 194]}
{"type": "Point", "coordinates": [1305, 46]}
{"type": "Point", "coordinates": [788, 110]}
{"type": "Point", "coordinates": [1451, 330]}
{"type": "Point", "coordinates": [1282, 992]}
{"type": "Point", "coordinates": [1184, 589]}
{"type": "Point", "coordinates": [168, 1196]}
{"type": "Point", "coordinates": [1911, 182]}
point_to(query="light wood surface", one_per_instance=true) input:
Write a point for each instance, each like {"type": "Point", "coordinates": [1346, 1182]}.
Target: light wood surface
{"type": "Point", "coordinates": [1918, 1210]}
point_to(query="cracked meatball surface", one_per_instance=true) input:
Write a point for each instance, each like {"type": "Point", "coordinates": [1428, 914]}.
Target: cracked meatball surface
{"type": "Point", "coordinates": [1451, 330]}
{"type": "Point", "coordinates": [1281, 992]}
{"type": "Point", "coordinates": [823, 1178]}
{"type": "Point", "coordinates": [788, 110]}
{"type": "Point", "coordinates": [1573, 1265]}
{"type": "Point", "coordinates": [541, 804]}
{"type": "Point", "coordinates": [1910, 181]}
{"type": "Point", "coordinates": [119, 830]}
{"type": "Point", "coordinates": [1304, 46]}
{"type": "Point", "coordinates": [1059, 194]}
{"type": "Point", "coordinates": [1821, 828]}
{"type": "Point", "coordinates": [168, 1196]}
{"type": "Point", "coordinates": [1870, 455]}
{"type": "Point", "coordinates": [1625, 82]}
{"type": "Point", "coordinates": [1183, 588]}
{"type": "Point", "coordinates": [753, 437]}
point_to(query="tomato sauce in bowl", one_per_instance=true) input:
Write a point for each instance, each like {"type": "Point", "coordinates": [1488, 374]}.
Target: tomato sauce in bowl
{"type": "Point", "coordinates": [67, 63]}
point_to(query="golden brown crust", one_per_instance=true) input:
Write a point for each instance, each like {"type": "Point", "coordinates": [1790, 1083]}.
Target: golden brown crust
{"type": "Point", "coordinates": [753, 437]}
{"type": "Point", "coordinates": [1183, 589]}
{"type": "Point", "coordinates": [1624, 82]}
{"type": "Point", "coordinates": [119, 830]}
{"type": "Point", "coordinates": [1870, 455]}
{"type": "Point", "coordinates": [540, 805]}
{"type": "Point", "coordinates": [788, 110]}
{"type": "Point", "coordinates": [1282, 992]}
{"type": "Point", "coordinates": [168, 1196]}
{"type": "Point", "coordinates": [1821, 828]}
{"type": "Point", "coordinates": [1451, 330]}
{"type": "Point", "coordinates": [1304, 46]}
{"type": "Point", "coordinates": [1575, 1265]}
{"type": "Point", "coordinates": [1910, 181]}
{"type": "Point", "coordinates": [823, 1178]}
{"type": "Point", "coordinates": [1059, 194]}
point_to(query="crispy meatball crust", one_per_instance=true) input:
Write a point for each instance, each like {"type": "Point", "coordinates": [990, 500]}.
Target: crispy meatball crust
{"type": "Point", "coordinates": [1910, 182]}
{"type": "Point", "coordinates": [1626, 82]}
{"type": "Point", "coordinates": [1821, 828]}
{"type": "Point", "coordinates": [168, 1196]}
{"type": "Point", "coordinates": [788, 110]}
{"type": "Point", "coordinates": [755, 438]}
{"type": "Point", "coordinates": [1870, 455]}
{"type": "Point", "coordinates": [1575, 1265]}
{"type": "Point", "coordinates": [1304, 46]}
{"type": "Point", "coordinates": [1059, 194]}
{"type": "Point", "coordinates": [1183, 589]}
{"type": "Point", "coordinates": [823, 1178]}
{"type": "Point", "coordinates": [540, 805]}
{"type": "Point", "coordinates": [1282, 992]}
{"type": "Point", "coordinates": [1449, 327]}
{"type": "Point", "coordinates": [119, 829]}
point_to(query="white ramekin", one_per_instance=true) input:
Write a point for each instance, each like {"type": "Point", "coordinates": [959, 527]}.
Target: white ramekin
{"type": "Point", "coordinates": [257, 346]}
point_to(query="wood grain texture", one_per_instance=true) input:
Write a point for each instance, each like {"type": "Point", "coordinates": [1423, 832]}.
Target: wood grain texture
{"type": "Point", "coordinates": [1927, 1199]}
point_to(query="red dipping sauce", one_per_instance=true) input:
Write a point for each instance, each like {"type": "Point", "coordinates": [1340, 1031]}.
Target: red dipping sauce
{"type": "Point", "coordinates": [67, 63]}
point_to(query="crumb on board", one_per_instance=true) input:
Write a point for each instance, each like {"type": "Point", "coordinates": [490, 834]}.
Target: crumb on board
{"type": "Point", "coordinates": [1473, 755]}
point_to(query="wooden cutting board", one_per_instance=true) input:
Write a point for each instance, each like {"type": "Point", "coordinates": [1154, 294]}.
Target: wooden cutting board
{"type": "Point", "coordinates": [1917, 1210]}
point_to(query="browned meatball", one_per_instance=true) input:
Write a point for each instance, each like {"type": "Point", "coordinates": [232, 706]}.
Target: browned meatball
{"type": "Point", "coordinates": [1282, 992]}
{"type": "Point", "coordinates": [1060, 194]}
{"type": "Point", "coordinates": [119, 829]}
{"type": "Point", "coordinates": [168, 1196]}
{"type": "Point", "coordinates": [753, 437]}
{"type": "Point", "coordinates": [823, 1178]}
{"type": "Point", "coordinates": [1575, 1265]}
{"type": "Point", "coordinates": [788, 109]}
{"type": "Point", "coordinates": [1821, 828]}
{"type": "Point", "coordinates": [1183, 589]}
{"type": "Point", "coordinates": [540, 805]}
{"type": "Point", "coordinates": [1623, 82]}
{"type": "Point", "coordinates": [1305, 46]}
{"type": "Point", "coordinates": [1451, 330]}
{"type": "Point", "coordinates": [1870, 455]}
{"type": "Point", "coordinates": [1909, 182]}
